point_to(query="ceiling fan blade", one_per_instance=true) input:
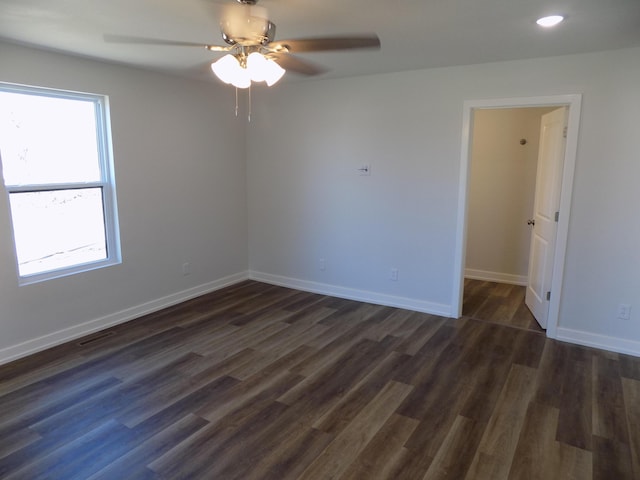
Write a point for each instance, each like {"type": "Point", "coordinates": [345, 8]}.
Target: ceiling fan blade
{"type": "Point", "coordinates": [159, 41]}
{"type": "Point", "coordinates": [320, 44]}
{"type": "Point", "coordinates": [294, 64]}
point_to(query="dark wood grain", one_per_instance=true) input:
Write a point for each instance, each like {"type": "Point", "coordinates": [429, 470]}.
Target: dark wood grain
{"type": "Point", "coordinates": [575, 425]}
{"type": "Point", "coordinates": [497, 303]}
{"type": "Point", "coordinates": [258, 382]}
{"type": "Point", "coordinates": [632, 404]}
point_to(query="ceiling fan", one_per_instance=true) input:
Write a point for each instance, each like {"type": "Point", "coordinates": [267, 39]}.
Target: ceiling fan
{"type": "Point", "coordinates": [252, 52]}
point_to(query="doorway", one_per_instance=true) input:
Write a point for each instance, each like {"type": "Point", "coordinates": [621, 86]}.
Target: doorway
{"type": "Point", "coordinates": [572, 102]}
{"type": "Point", "coordinates": [501, 191]}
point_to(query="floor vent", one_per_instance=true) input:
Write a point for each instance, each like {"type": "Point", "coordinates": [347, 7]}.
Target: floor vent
{"type": "Point", "coordinates": [99, 336]}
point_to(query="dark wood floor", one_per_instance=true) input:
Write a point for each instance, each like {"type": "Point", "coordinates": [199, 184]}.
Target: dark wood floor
{"type": "Point", "coordinates": [262, 382]}
{"type": "Point", "coordinates": [497, 303]}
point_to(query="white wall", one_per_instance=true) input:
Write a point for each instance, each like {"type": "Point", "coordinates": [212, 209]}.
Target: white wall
{"type": "Point", "coordinates": [501, 191]}
{"type": "Point", "coordinates": [306, 200]}
{"type": "Point", "coordinates": [180, 179]}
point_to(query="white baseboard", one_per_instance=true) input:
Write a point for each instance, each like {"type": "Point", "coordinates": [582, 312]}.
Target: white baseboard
{"type": "Point", "coordinates": [14, 352]}
{"type": "Point", "coordinates": [8, 354]}
{"type": "Point", "coordinates": [495, 277]}
{"type": "Point", "coordinates": [603, 342]}
{"type": "Point", "coordinates": [353, 294]}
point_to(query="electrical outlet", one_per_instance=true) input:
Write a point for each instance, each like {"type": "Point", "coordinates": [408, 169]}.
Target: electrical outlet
{"type": "Point", "coordinates": [393, 274]}
{"type": "Point", "coordinates": [322, 264]}
{"type": "Point", "coordinates": [624, 311]}
{"type": "Point", "coordinates": [186, 269]}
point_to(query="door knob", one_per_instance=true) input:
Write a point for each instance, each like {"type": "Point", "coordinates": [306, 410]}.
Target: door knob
{"type": "Point", "coordinates": [531, 222]}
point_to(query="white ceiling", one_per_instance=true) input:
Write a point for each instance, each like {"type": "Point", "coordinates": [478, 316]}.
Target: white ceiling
{"type": "Point", "coordinates": [415, 34]}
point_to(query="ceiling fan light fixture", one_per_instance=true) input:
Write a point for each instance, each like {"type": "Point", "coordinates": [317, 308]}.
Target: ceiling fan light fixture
{"type": "Point", "coordinates": [257, 66]}
{"type": "Point", "coordinates": [225, 68]}
{"type": "Point", "coordinates": [275, 73]}
{"type": "Point", "coordinates": [229, 70]}
{"type": "Point", "coordinates": [263, 69]}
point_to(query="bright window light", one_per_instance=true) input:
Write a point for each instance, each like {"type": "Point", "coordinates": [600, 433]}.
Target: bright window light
{"type": "Point", "coordinates": [57, 170]}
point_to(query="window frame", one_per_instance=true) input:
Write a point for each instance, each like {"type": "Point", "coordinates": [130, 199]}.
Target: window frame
{"type": "Point", "coordinates": [106, 184]}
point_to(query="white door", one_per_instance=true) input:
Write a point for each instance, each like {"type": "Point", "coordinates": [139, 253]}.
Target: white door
{"type": "Point", "coordinates": [544, 220]}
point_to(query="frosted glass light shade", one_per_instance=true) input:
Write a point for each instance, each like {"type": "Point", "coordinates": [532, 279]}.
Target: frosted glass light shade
{"type": "Point", "coordinates": [243, 79]}
{"type": "Point", "coordinates": [263, 69]}
{"type": "Point", "coordinates": [225, 68]}
{"type": "Point", "coordinates": [228, 70]}
{"type": "Point", "coordinates": [275, 72]}
{"type": "Point", "coordinates": [257, 66]}
{"type": "Point", "coordinates": [259, 69]}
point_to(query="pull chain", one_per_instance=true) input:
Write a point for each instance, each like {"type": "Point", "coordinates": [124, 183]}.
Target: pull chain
{"type": "Point", "coordinates": [236, 101]}
{"type": "Point", "coordinates": [249, 106]}
{"type": "Point", "coordinates": [248, 103]}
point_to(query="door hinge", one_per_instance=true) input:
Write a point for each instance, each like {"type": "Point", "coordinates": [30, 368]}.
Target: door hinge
{"type": "Point", "coordinates": [564, 131]}
{"type": "Point", "coordinates": [548, 296]}
{"type": "Point", "coordinates": [557, 216]}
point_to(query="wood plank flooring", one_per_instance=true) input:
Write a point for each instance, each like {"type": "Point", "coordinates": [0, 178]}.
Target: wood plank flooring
{"type": "Point", "coordinates": [263, 382]}
{"type": "Point", "coordinates": [497, 303]}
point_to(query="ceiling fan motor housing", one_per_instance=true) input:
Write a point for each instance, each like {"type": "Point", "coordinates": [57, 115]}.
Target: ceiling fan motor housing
{"type": "Point", "coordinates": [247, 25]}
{"type": "Point", "coordinates": [253, 31]}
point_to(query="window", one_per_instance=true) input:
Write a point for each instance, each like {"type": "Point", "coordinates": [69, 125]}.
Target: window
{"type": "Point", "coordinates": [55, 155]}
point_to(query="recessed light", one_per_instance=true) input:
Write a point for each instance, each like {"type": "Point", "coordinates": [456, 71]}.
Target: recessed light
{"type": "Point", "coordinates": [550, 21]}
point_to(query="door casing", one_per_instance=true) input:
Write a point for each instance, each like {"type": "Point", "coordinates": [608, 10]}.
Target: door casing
{"type": "Point", "coordinates": [573, 102]}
